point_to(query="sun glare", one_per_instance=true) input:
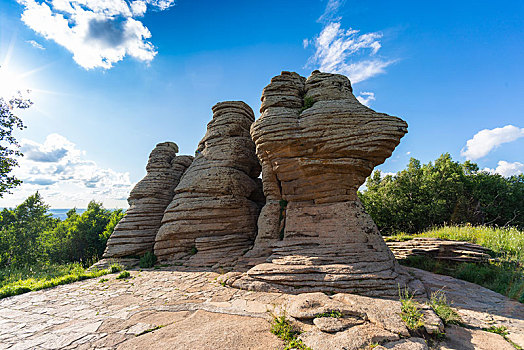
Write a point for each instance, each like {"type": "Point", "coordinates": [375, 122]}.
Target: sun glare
{"type": "Point", "coordinates": [11, 83]}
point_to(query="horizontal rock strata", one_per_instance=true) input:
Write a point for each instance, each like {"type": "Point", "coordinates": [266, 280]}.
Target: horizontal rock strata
{"type": "Point", "coordinates": [135, 233]}
{"type": "Point", "coordinates": [439, 249]}
{"type": "Point", "coordinates": [317, 145]}
{"type": "Point", "coordinates": [212, 217]}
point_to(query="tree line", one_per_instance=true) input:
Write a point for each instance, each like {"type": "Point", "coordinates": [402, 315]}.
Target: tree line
{"type": "Point", "coordinates": [443, 192]}
{"type": "Point", "coordinates": [30, 235]}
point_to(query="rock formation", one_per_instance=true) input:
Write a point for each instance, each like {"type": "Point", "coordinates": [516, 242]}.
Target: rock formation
{"type": "Point", "coordinates": [439, 249]}
{"type": "Point", "coordinates": [212, 217]}
{"type": "Point", "coordinates": [135, 233]}
{"type": "Point", "coordinates": [317, 144]}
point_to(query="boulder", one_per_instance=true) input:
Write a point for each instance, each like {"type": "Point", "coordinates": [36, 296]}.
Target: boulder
{"type": "Point", "coordinates": [212, 219]}
{"type": "Point", "coordinates": [135, 234]}
{"type": "Point", "coordinates": [317, 144]}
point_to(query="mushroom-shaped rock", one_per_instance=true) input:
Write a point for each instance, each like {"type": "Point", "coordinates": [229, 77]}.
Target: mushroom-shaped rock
{"type": "Point", "coordinates": [317, 144]}
{"type": "Point", "coordinates": [212, 217]}
{"type": "Point", "coordinates": [135, 233]}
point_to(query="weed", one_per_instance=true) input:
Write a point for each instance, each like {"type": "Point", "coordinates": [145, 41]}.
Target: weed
{"type": "Point", "coordinates": [308, 103]}
{"type": "Point", "coordinates": [123, 275]}
{"type": "Point", "coordinates": [442, 308]}
{"type": "Point", "coordinates": [501, 330]}
{"type": "Point", "coordinates": [115, 267]}
{"type": "Point", "coordinates": [330, 313]}
{"type": "Point", "coordinates": [410, 311]}
{"type": "Point", "coordinates": [282, 328]}
{"type": "Point", "coordinates": [193, 250]}
{"type": "Point", "coordinates": [102, 280]}
{"type": "Point", "coordinates": [150, 330]}
{"type": "Point", "coordinates": [147, 260]}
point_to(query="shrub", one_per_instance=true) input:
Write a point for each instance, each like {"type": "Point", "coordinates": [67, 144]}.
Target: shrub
{"type": "Point", "coordinates": [147, 260]}
{"type": "Point", "coordinates": [282, 328]}
{"type": "Point", "coordinates": [123, 275]}
{"type": "Point", "coordinates": [115, 267]}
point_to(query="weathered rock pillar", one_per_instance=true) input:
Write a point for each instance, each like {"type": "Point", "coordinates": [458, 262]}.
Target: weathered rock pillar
{"type": "Point", "coordinates": [317, 144]}
{"type": "Point", "coordinates": [212, 218]}
{"type": "Point", "coordinates": [135, 233]}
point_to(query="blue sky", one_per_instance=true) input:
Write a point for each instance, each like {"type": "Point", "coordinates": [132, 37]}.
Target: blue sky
{"type": "Point", "coordinates": [110, 79]}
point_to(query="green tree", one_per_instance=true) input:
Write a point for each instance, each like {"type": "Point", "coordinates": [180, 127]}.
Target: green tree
{"type": "Point", "coordinates": [8, 144]}
{"type": "Point", "coordinates": [21, 232]}
{"type": "Point", "coordinates": [445, 191]}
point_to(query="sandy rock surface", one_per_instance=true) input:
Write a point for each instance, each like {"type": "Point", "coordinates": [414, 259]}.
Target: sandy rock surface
{"type": "Point", "coordinates": [181, 308]}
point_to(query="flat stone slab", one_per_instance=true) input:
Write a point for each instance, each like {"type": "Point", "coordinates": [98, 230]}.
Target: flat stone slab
{"type": "Point", "coordinates": [161, 308]}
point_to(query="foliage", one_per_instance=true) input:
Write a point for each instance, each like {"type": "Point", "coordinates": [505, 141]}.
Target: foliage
{"type": "Point", "coordinates": [21, 232]}
{"type": "Point", "coordinates": [410, 311]}
{"type": "Point", "coordinates": [123, 275]}
{"type": "Point", "coordinates": [8, 144]}
{"type": "Point", "coordinates": [282, 328]}
{"type": "Point", "coordinates": [115, 267]}
{"type": "Point", "coordinates": [442, 308]}
{"type": "Point", "coordinates": [30, 236]}
{"type": "Point", "coordinates": [14, 281]}
{"type": "Point", "coordinates": [501, 330]}
{"type": "Point", "coordinates": [330, 313]}
{"type": "Point", "coordinates": [147, 260]}
{"type": "Point", "coordinates": [193, 250]}
{"type": "Point", "coordinates": [424, 196]}
{"type": "Point", "coordinates": [307, 103]}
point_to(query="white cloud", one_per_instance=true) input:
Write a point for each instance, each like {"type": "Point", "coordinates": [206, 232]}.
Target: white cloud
{"type": "Point", "coordinates": [507, 169]}
{"type": "Point", "coordinates": [346, 51]}
{"type": "Point", "coordinates": [35, 44]}
{"type": "Point", "coordinates": [486, 140]}
{"type": "Point", "coordinates": [64, 177]}
{"type": "Point", "coordinates": [98, 33]}
{"type": "Point", "coordinates": [366, 97]}
{"type": "Point", "coordinates": [330, 13]}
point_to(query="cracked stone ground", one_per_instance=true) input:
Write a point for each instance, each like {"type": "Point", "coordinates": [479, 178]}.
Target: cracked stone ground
{"type": "Point", "coordinates": [181, 309]}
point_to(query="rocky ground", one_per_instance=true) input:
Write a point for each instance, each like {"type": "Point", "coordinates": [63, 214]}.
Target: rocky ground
{"type": "Point", "coordinates": [176, 308]}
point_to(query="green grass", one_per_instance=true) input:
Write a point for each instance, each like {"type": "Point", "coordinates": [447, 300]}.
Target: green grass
{"type": "Point", "coordinates": [410, 311]}
{"type": "Point", "coordinates": [308, 103]}
{"type": "Point", "coordinates": [123, 275]}
{"type": "Point", "coordinates": [331, 313]}
{"type": "Point", "coordinates": [442, 308]}
{"type": "Point", "coordinates": [282, 328]}
{"type": "Point", "coordinates": [22, 280]}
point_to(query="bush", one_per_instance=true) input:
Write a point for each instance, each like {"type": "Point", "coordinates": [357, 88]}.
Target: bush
{"type": "Point", "coordinates": [147, 260]}
{"type": "Point", "coordinates": [123, 275]}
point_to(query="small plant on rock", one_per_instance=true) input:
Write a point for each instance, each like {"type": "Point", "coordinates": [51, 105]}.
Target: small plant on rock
{"type": "Point", "coordinates": [123, 275]}
{"type": "Point", "coordinates": [330, 313]}
{"type": "Point", "coordinates": [147, 260]}
{"type": "Point", "coordinates": [308, 103]}
{"type": "Point", "coordinates": [115, 267]}
{"type": "Point", "coordinates": [193, 250]}
{"type": "Point", "coordinates": [442, 308]}
{"type": "Point", "coordinates": [282, 328]}
{"type": "Point", "coordinates": [410, 311]}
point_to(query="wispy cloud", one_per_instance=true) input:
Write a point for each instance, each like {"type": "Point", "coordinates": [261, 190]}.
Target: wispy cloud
{"type": "Point", "coordinates": [35, 44]}
{"type": "Point", "coordinates": [366, 97]}
{"type": "Point", "coordinates": [346, 51]}
{"type": "Point", "coordinates": [98, 33]}
{"type": "Point", "coordinates": [64, 176]}
{"type": "Point", "coordinates": [486, 140]}
{"type": "Point", "coordinates": [507, 169]}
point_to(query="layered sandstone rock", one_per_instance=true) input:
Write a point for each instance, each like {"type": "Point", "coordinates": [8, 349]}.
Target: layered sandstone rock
{"type": "Point", "coordinates": [212, 218]}
{"type": "Point", "coordinates": [317, 145]}
{"type": "Point", "coordinates": [440, 249]}
{"type": "Point", "coordinates": [135, 233]}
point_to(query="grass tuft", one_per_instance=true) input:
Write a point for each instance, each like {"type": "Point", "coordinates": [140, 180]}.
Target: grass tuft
{"type": "Point", "coordinates": [442, 308]}
{"type": "Point", "coordinates": [282, 328]}
{"type": "Point", "coordinates": [123, 275]}
{"type": "Point", "coordinates": [330, 313]}
{"type": "Point", "coordinates": [410, 310]}
{"type": "Point", "coordinates": [147, 260]}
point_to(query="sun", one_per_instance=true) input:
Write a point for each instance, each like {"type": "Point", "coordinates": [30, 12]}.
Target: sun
{"type": "Point", "coordinates": [11, 83]}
